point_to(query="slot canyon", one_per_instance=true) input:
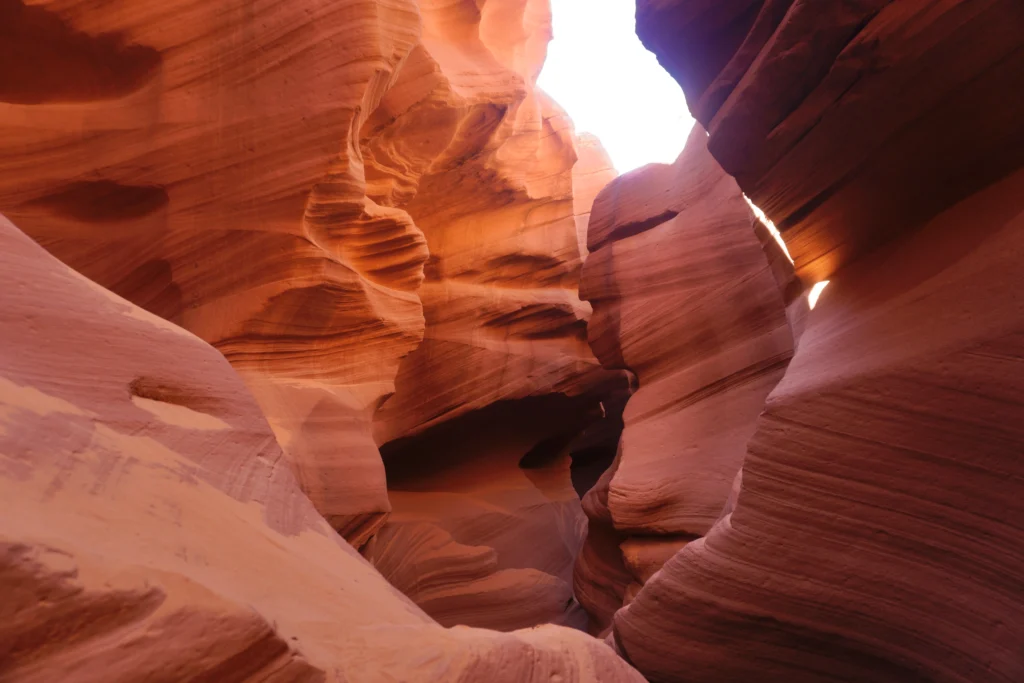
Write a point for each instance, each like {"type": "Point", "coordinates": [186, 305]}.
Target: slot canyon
{"type": "Point", "coordinates": [331, 352]}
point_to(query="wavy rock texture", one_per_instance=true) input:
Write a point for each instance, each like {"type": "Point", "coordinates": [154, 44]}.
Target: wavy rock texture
{"type": "Point", "coordinates": [878, 532]}
{"type": "Point", "coordinates": [488, 168]}
{"type": "Point", "coordinates": [150, 528]}
{"type": "Point", "coordinates": [683, 296]}
{"type": "Point", "coordinates": [785, 86]}
{"type": "Point", "coordinates": [203, 162]}
{"type": "Point", "coordinates": [496, 205]}
{"type": "Point", "coordinates": [878, 528]}
{"type": "Point", "coordinates": [486, 524]}
{"type": "Point", "coordinates": [276, 175]}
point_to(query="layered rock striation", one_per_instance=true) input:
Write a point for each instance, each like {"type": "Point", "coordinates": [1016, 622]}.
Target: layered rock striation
{"type": "Point", "coordinates": [683, 297]}
{"type": "Point", "coordinates": [800, 103]}
{"type": "Point", "coordinates": [351, 202]}
{"type": "Point", "coordinates": [204, 162]}
{"type": "Point", "coordinates": [877, 530]}
{"type": "Point", "coordinates": [475, 437]}
{"type": "Point", "coordinates": [140, 486]}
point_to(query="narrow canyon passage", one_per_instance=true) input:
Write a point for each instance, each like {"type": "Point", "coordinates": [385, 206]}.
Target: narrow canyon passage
{"type": "Point", "coordinates": [333, 349]}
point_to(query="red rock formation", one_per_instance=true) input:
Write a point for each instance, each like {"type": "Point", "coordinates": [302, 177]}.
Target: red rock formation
{"type": "Point", "coordinates": [202, 160]}
{"type": "Point", "coordinates": [486, 524]}
{"type": "Point", "coordinates": [276, 176]}
{"type": "Point", "coordinates": [683, 296]}
{"type": "Point", "coordinates": [900, 108]}
{"type": "Point", "coordinates": [878, 530]}
{"type": "Point", "coordinates": [150, 528]}
{"type": "Point", "coordinates": [497, 208]}
{"type": "Point", "coordinates": [488, 168]}
{"type": "Point", "coordinates": [265, 167]}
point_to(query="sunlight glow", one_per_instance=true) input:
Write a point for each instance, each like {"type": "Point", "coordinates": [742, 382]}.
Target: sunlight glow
{"type": "Point", "coordinates": [771, 228]}
{"type": "Point", "coordinates": [816, 290]}
{"type": "Point", "coordinates": [611, 86]}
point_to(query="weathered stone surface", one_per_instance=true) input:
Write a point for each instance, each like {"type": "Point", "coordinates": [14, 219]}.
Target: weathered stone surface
{"type": "Point", "coordinates": [877, 531]}
{"type": "Point", "coordinates": [203, 161]}
{"type": "Point", "coordinates": [684, 297]}
{"type": "Point", "coordinates": [853, 122]}
{"type": "Point", "coordinates": [151, 529]}
{"type": "Point", "coordinates": [879, 527]}
{"type": "Point", "coordinates": [499, 206]}
{"type": "Point", "coordinates": [486, 524]}
{"type": "Point", "coordinates": [274, 178]}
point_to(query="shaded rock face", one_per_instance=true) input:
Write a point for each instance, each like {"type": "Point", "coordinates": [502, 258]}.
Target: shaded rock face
{"type": "Point", "coordinates": [901, 108]}
{"type": "Point", "coordinates": [139, 487]}
{"type": "Point", "coordinates": [486, 524]}
{"type": "Point", "coordinates": [683, 296]}
{"type": "Point", "coordinates": [878, 527]}
{"type": "Point", "coordinates": [366, 206]}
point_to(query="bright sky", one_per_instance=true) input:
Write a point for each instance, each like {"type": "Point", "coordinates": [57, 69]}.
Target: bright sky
{"type": "Point", "coordinates": [601, 74]}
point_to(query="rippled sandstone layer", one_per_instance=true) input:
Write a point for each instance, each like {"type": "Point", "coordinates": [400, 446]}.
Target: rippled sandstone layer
{"type": "Point", "coordinates": [683, 296]}
{"type": "Point", "coordinates": [878, 529]}
{"type": "Point", "coordinates": [151, 529]}
{"type": "Point", "coordinates": [351, 201]}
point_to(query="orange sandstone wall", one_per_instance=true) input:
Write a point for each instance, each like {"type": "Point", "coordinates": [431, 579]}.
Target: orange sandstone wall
{"type": "Point", "coordinates": [486, 524]}
{"type": "Point", "coordinates": [203, 161]}
{"type": "Point", "coordinates": [151, 528]}
{"type": "Point", "coordinates": [683, 296]}
{"type": "Point", "coordinates": [366, 206]}
{"type": "Point", "coordinates": [877, 532]}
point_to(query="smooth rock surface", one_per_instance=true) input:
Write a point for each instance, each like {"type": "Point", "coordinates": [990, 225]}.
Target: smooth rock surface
{"type": "Point", "coordinates": [151, 529]}
{"type": "Point", "coordinates": [683, 296]}
{"type": "Point", "coordinates": [486, 524]}
{"type": "Point", "coordinates": [204, 162]}
{"type": "Point", "coordinates": [879, 529]}
{"type": "Point", "coordinates": [492, 173]}
{"type": "Point", "coordinates": [901, 108]}
{"type": "Point", "coordinates": [281, 179]}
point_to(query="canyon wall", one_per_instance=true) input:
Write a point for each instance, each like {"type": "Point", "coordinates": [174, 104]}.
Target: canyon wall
{"type": "Point", "coordinates": [370, 210]}
{"type": "Point", "coordinates": [204, 162]}
{"type": "Point", "coordinates": [151, 528]}
{"type": "Point", "coordinates": [485, 524]}
{"type": "Point", "coordinates": [683, 296]}
{"type": "Point", "coordinates": [878, 529]}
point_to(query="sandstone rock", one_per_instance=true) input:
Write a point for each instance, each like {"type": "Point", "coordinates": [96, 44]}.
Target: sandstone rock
{"type": "Point", "coordinates": [150, 528]}
{"type": "Point", "coordinates": [683, 296]}
{"type": "Point", "coordinates": [275, 176]}
{"type": "Point", "coordinates": [877, 530]}
{"type": "Point", "coordinates": [900, 108]}
{"type": "Point", "coordinates": [203, 162]}
{"type": "Point", "coordinates": [591, 174]}
{"type": "Point", "coordinates": [492, 173]}
{"type": "Point", "coordinates": [877, 533]}
{"type": "Point", "coordinates": [486, 524]}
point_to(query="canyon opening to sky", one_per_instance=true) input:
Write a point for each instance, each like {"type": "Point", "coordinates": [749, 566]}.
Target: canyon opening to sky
{"type": "Point", "coordinates": [595, 50]}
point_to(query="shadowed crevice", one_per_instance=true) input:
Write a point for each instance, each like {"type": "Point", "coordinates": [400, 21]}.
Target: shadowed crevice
{"type": "Point", "coordinates": [44, 60]}
{"type": "Point", "coordinates": [103, 201]}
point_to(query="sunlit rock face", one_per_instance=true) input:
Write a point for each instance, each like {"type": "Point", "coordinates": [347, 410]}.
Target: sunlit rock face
{"type": "Point", "coordinates": [261, 165]}
{"type": "Point", "coordinates": [877, 531]}
{"type": "Point", "coordinates": [203, 161]}
{"type": "Point", "coordinates": [683, 296]}
{"type": "Point", "coordinates": [352, 201]}
{"type": "Point", "coordinates": [491, 172]}
{"type": "Point", "coordinates": [151, 528]}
